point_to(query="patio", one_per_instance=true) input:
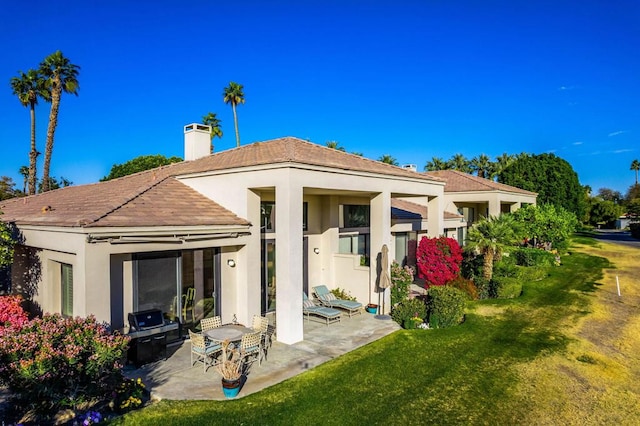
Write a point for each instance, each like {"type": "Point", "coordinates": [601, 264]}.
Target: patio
{"type": "Point", "coordinates": [175, 379]}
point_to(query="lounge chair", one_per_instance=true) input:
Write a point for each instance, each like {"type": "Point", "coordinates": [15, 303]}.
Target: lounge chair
{"type": "Point", "coordinates": [309, 307]}
{"type": "Point", "coordinates": [327, 298]}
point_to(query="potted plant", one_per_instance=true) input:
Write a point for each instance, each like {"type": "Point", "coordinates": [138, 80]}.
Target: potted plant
{"type": "Point", "coordinates": [372, 308]}
{"type": "Point", "coordinates": [230, 368]}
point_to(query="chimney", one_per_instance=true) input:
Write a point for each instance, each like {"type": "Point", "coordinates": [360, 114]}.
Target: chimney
{"type": "Point", "coordinates": [197, 141]}
{"type": "Point", "coordinates": [412, 167]}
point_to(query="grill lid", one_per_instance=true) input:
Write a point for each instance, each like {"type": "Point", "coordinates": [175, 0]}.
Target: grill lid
{"type": "Point", "coordinates": [143, 320]}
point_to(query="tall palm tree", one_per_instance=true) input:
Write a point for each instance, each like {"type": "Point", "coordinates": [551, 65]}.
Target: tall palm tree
{"type": "Point", "coordinates": [24, 171]}
{"type": "Point", "coordinates": [490, 236]}
{"type": "Point", "coordinates": [435, 164]}
{"type": "Point", "coordinates": [635, 165]}
{"type": "Point", "coordinates": [234, 95]}
{"type": "Point", "coordinates": [502, 162]}
{"type": "Point", "coordinates": [482, 165]}
{"type": "Point", "coordinates": [28, 87]}
{"type": "Point", "coordinates": [388, 159]}
{"type": "Point", "coordinates": [60, 76]}
{"type": "Point", "coordinates": [459, 162]}
{"type": "Point", "coordinates": [211, 120]}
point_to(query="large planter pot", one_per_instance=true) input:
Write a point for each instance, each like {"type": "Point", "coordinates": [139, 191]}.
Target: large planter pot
{"type": "Point", "coordinates": [231, 388]}
{"type": "Point", "coordinates": [372, 308]}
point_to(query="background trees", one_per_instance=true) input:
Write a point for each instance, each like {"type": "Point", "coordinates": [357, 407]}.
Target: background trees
{"type": "Point", "coordinates": [60, 75]}
{"type": "Point", "coordinates": [234, 95]}
{"type": "Point", "coordinates": [212, 120]}
{"type": "Point", "coordinates": [551, 177]}
{"type": "Point", "coordinates": [139, 164]}
{"type": "Point", "coordinates": [29, 87]}
{"type": "Point", "coordinates": [635, 166]}
{"type": "Point", "coordinates": [388, 159]}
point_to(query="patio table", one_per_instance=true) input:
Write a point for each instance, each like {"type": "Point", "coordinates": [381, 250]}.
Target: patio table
{"type": "Point", "coordinates": [230, 332]}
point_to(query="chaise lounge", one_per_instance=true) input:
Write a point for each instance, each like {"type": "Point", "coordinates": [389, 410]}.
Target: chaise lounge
{"type": "Point", "coordinates": [309, 307]}
{"type": "Point", "coordinates": [328, 299]}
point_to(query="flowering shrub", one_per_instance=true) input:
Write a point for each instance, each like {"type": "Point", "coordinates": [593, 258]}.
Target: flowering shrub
{"type": "Point", "coordinates": [55, 362]}
{"type": "Point", "coordinates": [439, 260]}
{"type": "Point", "coordinates": [405, 312]}
{"type": "Point", "coordinates": [11, 312]}
{"type": "Point", "coordinates": [401, 279]}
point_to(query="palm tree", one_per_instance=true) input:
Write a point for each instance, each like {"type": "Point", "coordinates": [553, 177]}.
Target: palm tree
{"type": "Point", "coordinates": [335, 145]}
{"type": "Point", "coordinates": [388, 159]}
{"type": "Point", "coordinates": [482, 165]}
{"type": "Point", "coordinates": [435, 164]}
{"type": "Point", "coordinates": [28, 88]}
{"type": "Point", "coordinates": [459, 162]}
{"type": "Point", "coordinates": [490, 236]}
{"type": "Point", "coordinates": [60, 76]}
{"type": "Point", "coordinates": [24, 171]}
{"type": "Point", "coordinates": [234, 95]}
{"type": "Point", "coordinates": [502, 162]}
{"type": "Point", "coordinates": [635, 165]}
{"type": "Point", "coordinates": [211, 120]}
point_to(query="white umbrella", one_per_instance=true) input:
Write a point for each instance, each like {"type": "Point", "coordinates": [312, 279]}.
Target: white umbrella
{"type": "Point", "coordinates": [385, 279]}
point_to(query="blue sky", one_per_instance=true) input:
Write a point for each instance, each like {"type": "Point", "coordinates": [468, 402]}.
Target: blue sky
{"type": "Point", "coordinates": [413, 79]}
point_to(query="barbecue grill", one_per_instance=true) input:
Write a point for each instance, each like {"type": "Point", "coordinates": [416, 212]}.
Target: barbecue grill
{"type": "Point", "coordinates": [148, 333]}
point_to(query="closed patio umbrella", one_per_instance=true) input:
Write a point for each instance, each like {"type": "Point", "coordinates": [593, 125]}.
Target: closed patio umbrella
{"type": "Point", "coordinates": [385, 279]}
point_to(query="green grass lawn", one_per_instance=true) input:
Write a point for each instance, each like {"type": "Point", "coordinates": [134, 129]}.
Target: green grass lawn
{"type": "Point", "coordinates": [463, 375]}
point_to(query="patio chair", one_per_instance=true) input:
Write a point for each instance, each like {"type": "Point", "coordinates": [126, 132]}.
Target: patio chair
{"type": "Point", "coordinates": [250, 345]}
{"type": "Point", "coordinates": [309, 307]}
{"type": "Point", "coordinates": [209, 323]}
{"type": "Point", "coordinates": [261, 325]}
{"type": "Point", "coordinates": [203, 349]}
{"type": "Point", "coordinates": [188, 300]}
{"type": "Point", "coordinates": [329, 299]}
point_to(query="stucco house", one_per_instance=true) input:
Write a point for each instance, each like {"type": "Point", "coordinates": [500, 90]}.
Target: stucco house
{"type": "Point", "coordinates": [475, 197]}
{"type": "Point", "coordinates": [234, 233]}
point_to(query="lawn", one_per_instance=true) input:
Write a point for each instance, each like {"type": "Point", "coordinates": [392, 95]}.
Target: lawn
{"type": "Point", "coordinates": [562, 353]}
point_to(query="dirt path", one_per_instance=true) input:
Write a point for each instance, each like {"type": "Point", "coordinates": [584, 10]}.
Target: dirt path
{"type": "Point", "coordinates": [597, 381]}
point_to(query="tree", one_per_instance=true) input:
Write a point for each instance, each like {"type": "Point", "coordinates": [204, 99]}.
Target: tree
{"type": "Point", "coordinates": [60, 76]}
{"type": "Point", "coordinates": [435, 164]}
{"type": "Point", "coordinates": [335, 145]}
{"type": "Point", "coordinates": [55, 183]}
{"type": "Point", "coordinates": [211, 120]}
{"type": "Point", "coordinates": [388, 159]}
{"type": "Point", "coordinates": [610, 195]}
{"type": "Point", "coordinates": [139, 164]}
{"type": "Point", "coordinates": [234, 95]}
{"type": "Point", "coordinates": [502, 162]}
{"type": "Point", "coordinates": [29, 88]}
{"type": "Point", "coordinates": [635, 166]}
{"type": "Point", "coordinates": [459, 162]}
{"type": "Point", "coordinates": [482, 166]}
{"type": "Point", "coordinates": [632, 193]}
{"type": "Point", "coordinates": [604, 212]}
{"type": "Point", "coordinates": [7, 189]}
{"type": "Point", "coordinates": [546, 224]}
{"type": "Point", "coordinates": [7, 242]}
{"type": "Point", "coordinates": [551, 177]}
{"type": "Point", "coordinates": [490, 237]}
{"type": "Point", "coordinates": [24, 172]}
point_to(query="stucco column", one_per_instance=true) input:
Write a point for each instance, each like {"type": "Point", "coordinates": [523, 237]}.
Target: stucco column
{"type": "Point", "coordinates": [289, 318]}
{"type": "Point", "coordinates": [330, 236]}
{"type": "Point", "coordinates": [91, 283]}
{"type": "Point", "coordinates": [380, 233]}
{"type": "Point", "coordinates": [515, 206]}
{"type": "Point", "coordinates": [435, 216]}
{"type": "Point", "coordinates": [494, 207]}
{"type": "Point", "coordinates": [248, 271]}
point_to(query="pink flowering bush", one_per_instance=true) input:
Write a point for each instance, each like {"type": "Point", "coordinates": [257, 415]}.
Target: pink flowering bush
{"type": "Point", "coordinates": [439, 260]}
{"type": "Point", "coordinates": [53, 362]}
{"type": "Point", "coordinates": [11, 313]}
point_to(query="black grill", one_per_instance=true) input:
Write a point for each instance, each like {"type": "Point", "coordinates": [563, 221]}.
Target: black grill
{"type": "Point", "coordinates": [148, 332]}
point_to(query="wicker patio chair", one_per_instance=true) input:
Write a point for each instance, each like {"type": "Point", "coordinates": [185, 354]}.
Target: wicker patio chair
{"type": "Point", "coordinates": [250, 345]}
{"type": "Point", "coordinates": [209, 323]}
{"type": "Point", "coordinates": [203, 349]}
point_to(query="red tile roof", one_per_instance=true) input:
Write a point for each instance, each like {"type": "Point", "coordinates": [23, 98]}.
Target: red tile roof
{"type": "Point", "coordinates": [418, 209]}
{"type": "Point", "coordinates": [155, 198]}
{"type": "Point", "coordinates": [458, 181]}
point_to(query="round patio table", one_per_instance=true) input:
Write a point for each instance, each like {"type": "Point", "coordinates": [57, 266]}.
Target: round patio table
{"type": "Point", "coordinates": [230, 332]}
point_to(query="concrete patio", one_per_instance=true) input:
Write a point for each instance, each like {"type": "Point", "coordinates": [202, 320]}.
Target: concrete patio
{"type": "Point", "coordinates": [175, 378]}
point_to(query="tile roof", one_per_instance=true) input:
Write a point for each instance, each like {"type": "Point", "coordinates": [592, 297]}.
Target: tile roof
{"type": "Point", "coordinates": [403, 209]}
{"type": "Point", "coordinates": [155, 198]}
{"type": "Point", "coordinates": [458, 181]}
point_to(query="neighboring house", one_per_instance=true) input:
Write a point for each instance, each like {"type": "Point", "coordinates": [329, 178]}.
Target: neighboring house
{"type": "Point", "coordinates": [624, 221]}
{"type": "Point", "coordinates": [219, 229]}
{"type": "Point", "coordinates": [475, 197]}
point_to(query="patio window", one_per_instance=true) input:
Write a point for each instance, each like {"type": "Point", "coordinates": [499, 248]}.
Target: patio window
{"type": "Point", "coordinates": [66, 280]}
{"type": "Point", "coordinates": [355, 216]}
{"type": "Point", "coordinates": [355, 244]}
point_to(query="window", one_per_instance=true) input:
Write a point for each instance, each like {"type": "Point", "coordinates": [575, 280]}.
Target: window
{"type": "Point", "coordinates": [355, 244]}
{"type": "Point", "coordinates": [268, 216]}
{"type": "Point", "coordinates": [67, 290]}
{"type": "Point", "coordinates": [355, 216]}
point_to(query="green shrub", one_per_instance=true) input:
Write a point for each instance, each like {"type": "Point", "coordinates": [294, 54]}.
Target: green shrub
{"type": "Point", "coordinates": [445, 306]}
{"type": "Point", "coordinates": [527, 256]}
{"type": "Point", "coordinates": [534, 273]}
{"type": "Point", "coordinates": [506, 267]}
{"type": "Point", "coordinates": [483, 287]}
{"type": "Point", "coordinates": [506, 287]}
{"type": "Point", "coordinates": [466, 286]}
{"type": "Point", "coordinates": [404, 311]}
{"type": "Point", "coordinates": [55, 363]}
{"type": "Point", "coordinates": [401, 279]}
